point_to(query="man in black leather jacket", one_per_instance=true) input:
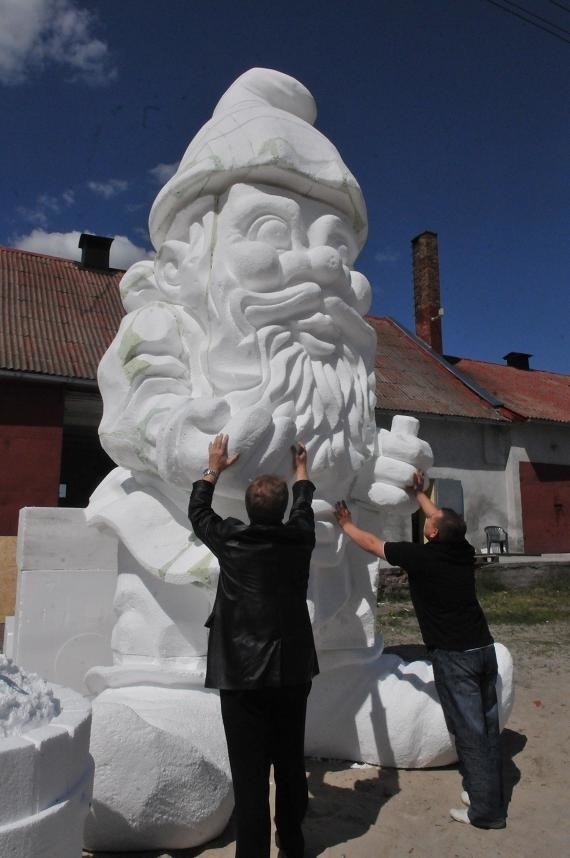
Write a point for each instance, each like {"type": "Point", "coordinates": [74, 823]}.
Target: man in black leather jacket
{"type": "Point", "coordinates": [261, 652]}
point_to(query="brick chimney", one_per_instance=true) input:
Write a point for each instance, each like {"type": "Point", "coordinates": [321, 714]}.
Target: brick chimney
{"type": "Point", "coordinates": [427, 309]}
{"type": "Point", "coordinates": [95, 250]}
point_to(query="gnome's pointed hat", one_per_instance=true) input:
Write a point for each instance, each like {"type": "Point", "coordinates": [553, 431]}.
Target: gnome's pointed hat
{"type": "Point", "coordinates": [261, 131]}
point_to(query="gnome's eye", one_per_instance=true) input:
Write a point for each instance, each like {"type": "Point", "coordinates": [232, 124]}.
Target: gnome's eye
{"type": "Point", "coordinates": [329, 231]}
{"type": "Point", "coordinates": [343, 246]}
{"type": "Point", "coordinates": [271, 230]}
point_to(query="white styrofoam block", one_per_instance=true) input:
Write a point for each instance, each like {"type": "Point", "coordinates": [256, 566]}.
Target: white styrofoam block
{"type": "Point", "coordinates": [52, 781]}
{"type": "Point", "coordinates": [162, 774]}
{"type": "Point", "coordinates": [17, 773]}
{"type": "Point", "coordinates": [58, 538]}
{"type": "Point", "coordinates": [56, 832]}
{"type": "Point", "coordinates": [64, 622]}
{"type": "Point", "coordinates": [62, 749]}
{"type": "Point", "coordinates": [8, 643]}
{"type": "Point", "coordinates": [46, 784]}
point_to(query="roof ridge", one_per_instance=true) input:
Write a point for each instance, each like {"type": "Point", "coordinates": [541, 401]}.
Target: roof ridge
{"type": "Point", "coordinates": [440, 359]}
{"type": "Point", "coordinates": [64, 259]}
{"type": "Point", "coordinates": [532, 370]}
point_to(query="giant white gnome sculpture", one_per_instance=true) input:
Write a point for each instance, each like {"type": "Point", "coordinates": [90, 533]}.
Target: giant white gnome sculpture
{"type": "Point", "coordinates": [250, 322]}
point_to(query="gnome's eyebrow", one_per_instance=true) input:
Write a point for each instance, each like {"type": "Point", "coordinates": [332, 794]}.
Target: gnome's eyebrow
{"type": "Point", "coordinates": [251, 207]}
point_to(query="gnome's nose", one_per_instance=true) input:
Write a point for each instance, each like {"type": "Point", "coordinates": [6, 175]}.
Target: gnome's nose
{"type": "Point", "coordinates": [320, 264]}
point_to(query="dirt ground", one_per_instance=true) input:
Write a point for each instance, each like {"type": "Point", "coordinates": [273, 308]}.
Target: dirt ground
{"type": "Point", "coordinates": [367, 812]}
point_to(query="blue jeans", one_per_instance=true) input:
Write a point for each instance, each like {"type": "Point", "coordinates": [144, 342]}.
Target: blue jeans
{"type": "Point", "coordinates": [465, 682]}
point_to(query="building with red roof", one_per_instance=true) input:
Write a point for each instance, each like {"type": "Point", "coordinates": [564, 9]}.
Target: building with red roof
{"type": "Point", "coordinates": [500, 433]}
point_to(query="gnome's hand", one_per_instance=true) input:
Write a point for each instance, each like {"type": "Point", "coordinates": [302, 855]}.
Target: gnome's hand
{"type": "Point", "coordinates": [388, 481]}
{"type": "Point", "coordinates": [263, 440]}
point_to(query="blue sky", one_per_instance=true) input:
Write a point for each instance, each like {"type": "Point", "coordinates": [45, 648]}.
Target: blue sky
{"type": "Point", "coordinates": [453, 115]}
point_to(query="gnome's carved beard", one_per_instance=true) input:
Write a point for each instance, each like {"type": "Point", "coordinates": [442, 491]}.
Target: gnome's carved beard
{"type": "Point", "coordinates": [301, 355]}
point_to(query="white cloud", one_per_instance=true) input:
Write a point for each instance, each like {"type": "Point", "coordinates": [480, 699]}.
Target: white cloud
{"type": "Point", "coordinates": [108, 189]}
{"type": "Point", "coordinates": [124, 252]}
{"type": "Point", "coordinates": [142, 232]}
{"type": "Point", "coordinates": [163, 172]}
{"type": "Point", "coordinates": [47, 204]}
{"type": "Point", "coordinates": [66, 244]}
{"type": "Point", "coordinates": [35, 33]}
{"type": "Point", "coordinates": [387, 255]}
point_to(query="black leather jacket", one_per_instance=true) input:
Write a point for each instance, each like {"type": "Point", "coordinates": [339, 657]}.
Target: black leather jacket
{"type": "Point", "coordinates": [260, 631]}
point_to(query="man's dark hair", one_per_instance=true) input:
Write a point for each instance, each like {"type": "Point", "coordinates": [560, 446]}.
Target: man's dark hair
{"type": "Point", "coordinates": [266, 499]}
{"type": "Point", "coordinates": [451, 525]}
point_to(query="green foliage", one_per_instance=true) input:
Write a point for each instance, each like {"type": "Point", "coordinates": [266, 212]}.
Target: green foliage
{"type": "Point", "coordinates": [547, 602]}
{"type": "Point", "coordinates": [542, 604]}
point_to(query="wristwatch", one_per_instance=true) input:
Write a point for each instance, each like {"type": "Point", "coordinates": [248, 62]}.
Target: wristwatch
{"type": "Point", "coordinates": [210, 472]}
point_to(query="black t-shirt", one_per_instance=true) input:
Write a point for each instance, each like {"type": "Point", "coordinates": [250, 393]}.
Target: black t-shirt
{"type": "Point", "coordinates": [442, 587]}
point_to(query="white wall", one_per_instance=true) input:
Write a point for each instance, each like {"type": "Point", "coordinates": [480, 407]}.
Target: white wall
{"type": "Point", "coordinates": [485, 458]}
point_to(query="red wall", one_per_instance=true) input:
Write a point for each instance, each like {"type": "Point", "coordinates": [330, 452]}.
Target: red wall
{"type": "Point", "coordinates": [545, 499]}
{"type": "Point", "coordinates": [31, 418]}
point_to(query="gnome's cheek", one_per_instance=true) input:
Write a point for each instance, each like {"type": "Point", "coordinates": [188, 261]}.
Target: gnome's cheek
{"type": "Point", "coordinates": [362, 291]}
{"type": "Point", "coordinates": [255, 266]}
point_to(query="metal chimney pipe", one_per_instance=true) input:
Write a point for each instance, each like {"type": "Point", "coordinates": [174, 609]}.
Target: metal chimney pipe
{"type": "Point", "coordinates": [95, 250]}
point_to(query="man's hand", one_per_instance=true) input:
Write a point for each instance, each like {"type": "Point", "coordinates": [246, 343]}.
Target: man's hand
{"type": "Point", "coordinates": [218, 457]}
{"type": "Point", "coordinates": [299, 452]}
{"type": "Point", "coordinates": [342, 514]}
{"type": "Point", "coordinates": [363, 538]}
{"type": "Point", "coordinates": [418, 481]}
{"type": "Point", "coordinates": [427, 506]}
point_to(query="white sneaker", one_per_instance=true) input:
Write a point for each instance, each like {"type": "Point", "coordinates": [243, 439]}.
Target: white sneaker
{"type": "Point", "coordinates": [459, 814]}
{"type": "Point", "coordinates": [465, 798]}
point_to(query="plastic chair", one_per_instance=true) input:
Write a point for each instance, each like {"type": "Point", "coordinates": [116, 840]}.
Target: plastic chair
{"type": "Point", "coordinates": [497, 536]}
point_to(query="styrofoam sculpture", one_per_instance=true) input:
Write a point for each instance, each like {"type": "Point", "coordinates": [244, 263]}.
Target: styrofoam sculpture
{"type": "Point", "coordinates": [250, 321]}
{"type": "Point", "coordinates": [46, 770]}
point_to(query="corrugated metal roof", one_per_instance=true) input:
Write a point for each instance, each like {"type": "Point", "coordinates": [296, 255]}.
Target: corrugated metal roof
{"type": "Point", "coordinates": [57, 317]}
{"type": "Point", "coordinates": [411, 377]}
{"type": "Point", "coordinates": [533, 394]}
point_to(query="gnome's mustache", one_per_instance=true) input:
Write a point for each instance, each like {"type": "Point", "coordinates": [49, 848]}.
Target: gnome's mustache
{"type": "Point", "coordinates": [262, 309]}
{"type": "Point", "coordinates": [303, 306]}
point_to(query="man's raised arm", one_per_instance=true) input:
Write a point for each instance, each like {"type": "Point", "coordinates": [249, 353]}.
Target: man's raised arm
{"type": "Point", "coordinates": [300, 461]}
{"type": "Point", "coordinates": [366, 540]}
{"type": "Point", "coordinates": [427, 506]}
{"type": "Point", "coordinates": [205, 522]}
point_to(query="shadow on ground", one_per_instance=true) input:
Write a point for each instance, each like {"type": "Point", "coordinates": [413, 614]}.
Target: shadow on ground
{"type": "Point", "coordinates": [352, 810]}
{"type": "Point", "coordinates": [225, 839]}
{"type": "Point", "coordinates": [512, 744]}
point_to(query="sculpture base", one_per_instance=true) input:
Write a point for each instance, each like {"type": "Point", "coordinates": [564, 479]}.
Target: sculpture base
{"type": "Point", "coordinates": [387, 712]}
{"type": "Point", "coordinates": [162, 777]}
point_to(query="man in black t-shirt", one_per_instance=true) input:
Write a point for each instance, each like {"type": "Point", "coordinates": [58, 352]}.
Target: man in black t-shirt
{"type": "Point", "coordinates": [441, 575]}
